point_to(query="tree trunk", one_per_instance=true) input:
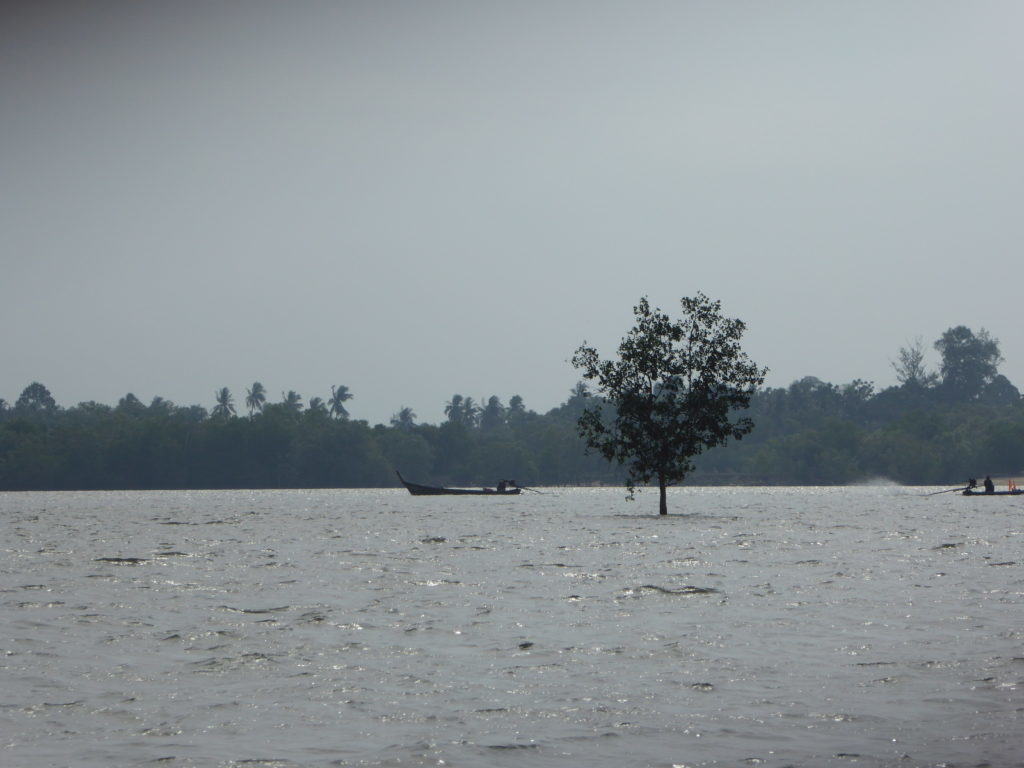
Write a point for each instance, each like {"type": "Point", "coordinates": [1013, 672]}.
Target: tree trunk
{"type": "Point", "coordinates": [663, 501]}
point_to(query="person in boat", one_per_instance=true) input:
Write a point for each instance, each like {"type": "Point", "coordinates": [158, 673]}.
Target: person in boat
{"type": "Point", "coordinates": [990, 487]}
{"type": "Point", "coordinates": [502, 486]}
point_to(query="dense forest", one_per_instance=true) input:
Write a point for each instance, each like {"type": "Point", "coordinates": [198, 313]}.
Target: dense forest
{"type": "Point", "coordinates": [963, 420]}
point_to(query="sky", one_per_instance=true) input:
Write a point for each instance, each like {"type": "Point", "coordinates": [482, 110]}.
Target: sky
{"type": "Point", "coordinates": [417, 199]}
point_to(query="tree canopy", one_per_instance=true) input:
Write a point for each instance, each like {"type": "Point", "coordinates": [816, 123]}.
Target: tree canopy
{"type": "Point", "coordinates": [339, 396]}
{"type": "Point", "coordinates": [969, 362]}
{"type": "Point", "coordinates": [910, 366]}
{"type": "Point", "coordinates": [811, 432]}
{"type": "Point", "coordinates": [674, 392]}
{"type": "Point", "coordinates": [35, 398]}
{"type": "Point", "coordinates": [255, 397]}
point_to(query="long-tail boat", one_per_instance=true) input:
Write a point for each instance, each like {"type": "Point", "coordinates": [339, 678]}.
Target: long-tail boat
{"type": "Point", "coordinates": [429, 490]}
{"type": "Point", "coordinates": [981, 492]}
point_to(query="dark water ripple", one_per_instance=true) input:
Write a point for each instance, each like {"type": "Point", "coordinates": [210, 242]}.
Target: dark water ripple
{"type": "Point", "coordinates": [769, 627]}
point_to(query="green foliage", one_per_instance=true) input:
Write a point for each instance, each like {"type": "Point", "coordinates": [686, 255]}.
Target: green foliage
{"type": "Point", "coordinates": [969, 362]}
{"type": "Point", "coordinates": [999, 392]}
{"type": "Point", "coordinates": [674, 391]}
{"type": "Point", "coordinates": [910, 366]}
{"type": "Point", "coordinates": [404, 420]}
{"type": "Point", "coordinates": [811, 432]}
{"type": "Point", "coordinates": [35, 399]}
{"type": "Point", "coordinates": [493, 415]}
{"type": "Point", "coordinates": [339, 396]}
{"type": "Point", "coordinates": [130, 405]}
{"type": "Point", "coordinates": [406, 449]}
{"type": "Point", "coordinates": [225, 407]}
{"type": "Point", "coordinates": [453, 409]}
{"type": "Point", "coordinates": [255, 398]}
{"type": "Point", "coordinates": [470, 412]}
{"type": "Point", "coordinates": [291, 401]}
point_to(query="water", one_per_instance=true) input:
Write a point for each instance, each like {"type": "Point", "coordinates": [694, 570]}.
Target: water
{"type": "Point", "coordinates": [757, 626]}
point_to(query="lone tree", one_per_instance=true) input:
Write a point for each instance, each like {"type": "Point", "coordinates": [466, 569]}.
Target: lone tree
{"type": "Point", "coordinates": [674, 391]}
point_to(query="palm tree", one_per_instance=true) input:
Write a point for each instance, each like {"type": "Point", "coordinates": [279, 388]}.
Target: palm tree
{"type": "Point", "coordinates": [339, 395]}
{"type": "Point", "coordinates": [515, 406]}
{"type": "Point", "coordinates": [317, 406]}
{"type": "Point", "coordinates": [255, 398]}
{"type": "Point", "coordinates": [516, 410]}
{"type": "Point", "coordinates": [130, 405]}
{"type": "Point", "coordinates": [453, 409]}
{"type": "Point", "coordinates": [161, 406]}
{"type": "Point", "coordinates": [493, 414]}
{"type": "Point", "coordinates": [405, 419]}
{"type": "Point", "coordinates": [470, 412]}
{"type": "Point", "coordinates": [225, 406]}
{"type": "Point", "coordinates": [292, 401]}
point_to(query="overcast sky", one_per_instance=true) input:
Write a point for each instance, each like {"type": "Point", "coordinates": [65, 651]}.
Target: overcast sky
{"type": "Point", "coordinates": [415, 199]}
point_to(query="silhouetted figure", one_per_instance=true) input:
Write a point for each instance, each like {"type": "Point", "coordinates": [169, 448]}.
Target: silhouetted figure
{"type": "Point", "coordinates": [502, 486]}
{"type": "Point", "coordinates": [990, 487]}
{"type": "Point", "coordinates": [971, 483]}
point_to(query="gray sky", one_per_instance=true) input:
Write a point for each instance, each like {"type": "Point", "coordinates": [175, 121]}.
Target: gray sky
{"type": "Point", "coordinates": [421, 198]}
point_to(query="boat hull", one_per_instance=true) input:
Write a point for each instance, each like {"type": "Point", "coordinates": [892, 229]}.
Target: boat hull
{"type": "Point", "coordinates": [429, 490]}
{"type": "Point", "coordinates": [970, 492]}
{"type": "Point", "coordinates": [426, 490]}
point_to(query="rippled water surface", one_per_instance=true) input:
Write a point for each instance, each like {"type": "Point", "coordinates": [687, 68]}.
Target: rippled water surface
{"type": "Point", "coordinates": [756, 626]}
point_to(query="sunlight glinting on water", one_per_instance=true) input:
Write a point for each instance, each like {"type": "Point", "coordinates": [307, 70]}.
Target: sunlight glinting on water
{"type": "Point", "coordinates": [758, 626]}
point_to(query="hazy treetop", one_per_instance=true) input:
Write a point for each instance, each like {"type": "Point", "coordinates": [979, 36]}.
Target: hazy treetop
{"type": "Point", "coordinates": [416, 199]}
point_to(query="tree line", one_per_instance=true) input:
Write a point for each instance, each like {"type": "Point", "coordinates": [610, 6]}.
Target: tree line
{"type": "Point", "coordinates": [284, 444]}
{"type": "Point", "coordinates": [963, 419]}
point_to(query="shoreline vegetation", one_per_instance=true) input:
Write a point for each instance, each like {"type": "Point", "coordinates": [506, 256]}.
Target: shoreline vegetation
{"type": "Point", "coordinates": [1000, 482]}
{"type": "Point", "coordinates": [932, 428]}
